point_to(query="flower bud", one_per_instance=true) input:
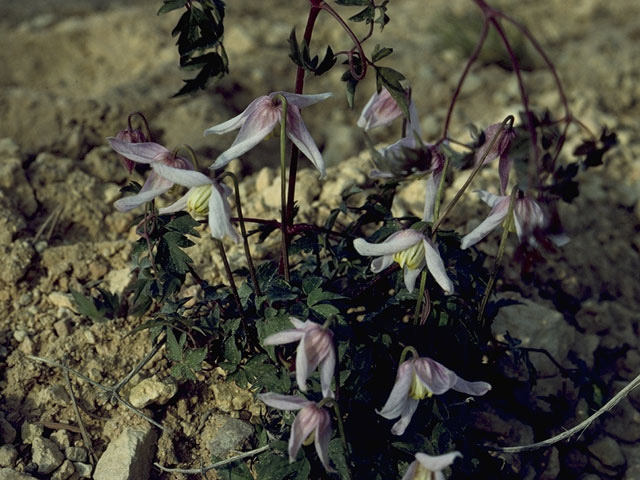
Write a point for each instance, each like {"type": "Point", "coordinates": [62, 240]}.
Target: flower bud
{"type": "Point", "coordinates": [131, 136]}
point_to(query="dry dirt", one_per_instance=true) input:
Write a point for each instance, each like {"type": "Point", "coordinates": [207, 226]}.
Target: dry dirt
{"type": "Point", "coordinates": [68, 79]}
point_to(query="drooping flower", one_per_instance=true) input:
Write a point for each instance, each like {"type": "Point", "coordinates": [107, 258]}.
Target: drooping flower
{"type": "Point", "coordinates": [419, 378]}
{"type": "Point", "coordinates": [315, 349]}
{"type": "Point", "coordinates": [380, 111]}
{"type": "Point", "coordinates": [413, 251]}
{"type": "Point", "coordinates": [500, 148]}
{"type": "Point", "coordinates": [130, 135]}
{"type": "Point", "coordinates": [426, 467]}
{"type": "Point", "coordinates": [156, 156]}
{"type": "Point", "coordinates": [261, 117]}
{"type": "Point", "coordinates": [528, 216]}
{"type": "Point", "coordinates": [206, 197]}
{"type": "Point", "coordinates": [312, 424]}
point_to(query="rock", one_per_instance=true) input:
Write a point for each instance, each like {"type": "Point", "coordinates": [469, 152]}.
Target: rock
{"type": "Point", "coordinates": [60, 299]}
{"type": "Point", "coordinates": [623, 422]}
{"type": "Point", "coordinates": [8, 455]}
{"type": "Point", "coordinates": [83, 469]}
{"type": "Point", "coordinates": [8, 474]}
{"type": "Point", "coordinates": [7, 432]}
{"type": "Point", "coordinates": [76, 454]}
{"type": "Point", "coordinates": [11, 221]}
{"type": "Point", "coordinates": [613, 321]}
{"type": "Point", "coordinates": [607, 456]}
{"type": "Point", "coordinates": [61, 438]}
{"type": "Point", "coordinates": [46, 455]}
{"type": "Point", "coordinates": [223, 434]}
{"type": "Point", "coordinates": [55, 394]}
{"type": "Point", "coordinates": [17, 258]}
{"type": "Point", "coordinates": [153, 390]}
{"type": "Point", "coordinates": [64, 472]}
{"type": "Point", "coordinates": [30, 431]}
{"type": "Point", "coordinates": [552, 468]}
{"type": "Point", "coordinates": [585, 346]}
{"type": "Point", "coordinates": [536, 326]}
{"type": "Point", "coordinates": [575, 461]}
{"type": "Point", "coordinates": [63, 327]}
{"type": "Point", "coordinates": [128, 457]}
{"type": "Point", "coordinates": [13, 180]}
{"type": "Point", "coordinates": [264, 179]}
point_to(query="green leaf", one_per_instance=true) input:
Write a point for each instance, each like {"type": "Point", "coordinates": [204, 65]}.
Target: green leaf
{"type": "Point", "coordinates": [86, 306]}
{"type": "Point", "coordinates": [380, 52]}
{"type": "Point", "coordinates": [174, 349]}
{"type": "Point", "coordinates": [231, 352]}
{"type": "Point", "coordinates": [170, 254]}
{"type": "Point", "coordinates": [327, 62]}
{"type": "Point", "coordinates": [294, 49]}
{"type": "Point", "coordinates": [351, 84]}
{"type": "Point", "coordinates": [170, 5]}
{"type": "Point", "coordinates": [367, 15]}
{"type": "Point", "coordinates": [183, 223]}
{"type": "Point", "coordinates": [325, 309]}
{"type": "Point", "coordinates": [390, 79]}
{"type": "Point", "coordinates": [319, 295]}
{"type": "Point", "coordinates": [194, 358]}
{"type": "Point", "coordinates": [310, 284]}
{"type": "Point", "coordinates": [336, 453]}
{"type": "Point", "coordinates": [351, 3]}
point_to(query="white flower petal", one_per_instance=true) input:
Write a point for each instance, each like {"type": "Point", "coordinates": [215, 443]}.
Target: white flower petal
{"type": "Point", "coordinates": [153, 187]}
{"type": "Point", "coordinates": [302, 366]}
{"type": "Point", "coordinates": [146, 152]}
{"type": "Point", "coordinates": [411, 471]}
{"type": "Point", "coordinates": [439, 462]}
{"type": "Point", "coordinates": [396, 242]}
{"type": "Point", "coordinates": [495, 218]}
{"type": "Point", "coordinates": [323, 435]}
{"type": "Point", "coordinates": [285, 336]}
{"type": "Point", "coordinates": [435, 265]}
{"type": "Point", "coordinates": [237, 121]}
{"type": "Point", "coordinates": [405, 417]}
{"type": "Point", "coordinates": [410, 276]}
{"type": "Point", "coordinates": [284, 402]}
{"type": "Point", "coordinates": [471, 388]}
{"type": "Point", "coordinates": [380, 263]}
{"type": "Point", "coordinates": [433, 182]}
{"type": "Point", "coordinates": [304, 424]}
{"type": "Point", "coordinates": [399, 393]}
{"type": "Point", "coordinates": [220, 215]}
{"type": "Point", "coordinates": [302, 101]}
{"type": "Point", "coordinates": [299, 134]}
{"type": "Point", "coordinates": [433, 375]}
{"type": "Point", "coordinates": [327, 370]}
{"type": "Point", "coordinates": [177, 206]}
{"type": "Point", "coordinates": [186, 178]}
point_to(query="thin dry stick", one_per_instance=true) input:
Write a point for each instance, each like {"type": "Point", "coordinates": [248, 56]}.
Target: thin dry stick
{"type": "Point", "coordinates": [578, 428]}
{"type": "Point", "coordinates": [83, 431]}
{"type": "Point", "coordinates": [51, 220]}
{"type": "Point", "coordinates": [110, 390]}
{"type": "Point", "coordinates": [204, 470]}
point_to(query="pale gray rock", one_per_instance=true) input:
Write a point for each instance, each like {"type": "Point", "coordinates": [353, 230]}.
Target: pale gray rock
{"type": "Point", "coordinates": [7, 432]}
{"type": "Point", "coordinates": [17, 258]}
{"type": "Point", "coordinates": [223, 434]}
{"type": "Point", "coordinates": [623, 422]}
{"type": "Point", "coordinates": [607, 451]}
{"type": "Point", "coordinates": [83, 469]}
{"type": "Point", "coordinates": [9, 474]}
{"type": "Point", "coordinates": [13, 181]}
{"type": "Point", "coordinates": [30, 431]}
{"type": "Point", "coordinates": [153, 391]}
{"type": "Point", "coordinates": [128, 457]}
{"type": "Point", "coordinates": [552, 467]}
{"type": "Point", "coordinates": [46, 455]}
{"type": "Point", "coordinates": [61, 438]}
{"type": "Point", "coordinates": [64, 472]}
{"type": "Point", "coordinates": [536, 326]}
{"type": "Point", "coordinates": [76, 454]}
{"type": "Point", "coordinates": [8, 455]}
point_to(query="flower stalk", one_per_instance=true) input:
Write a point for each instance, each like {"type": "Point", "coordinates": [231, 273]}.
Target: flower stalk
{"type": "Point", "coordinates": [227, 269]}
{"type": "Point", "coordinates": [243, 230]}
{"type": "Point", "coordinates": [283, 190]}
{"type": "Point", "coordinates": [147, 131]}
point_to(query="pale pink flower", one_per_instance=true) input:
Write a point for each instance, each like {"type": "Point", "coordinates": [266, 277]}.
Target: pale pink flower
{"type": "Point", "coordinates": [381, 110]}
{"type": "Point", "coordinates": [312, 423]}
{"type": "Point", "coordinates": [157, 157]}
{"type": "Point", "coordinates": [528, 216]}
{"type": "Point", "coordinates": [419, 378]}
{"type": "Point", "coordinates": [426, 467]}
{"type": "Point", "coordinates": [315, 349]}
{"type": "Point", "coordinates": [130, 135]}
{"type": "Point", "coordinates": [500, 149]}
{"type": "Point", "coordinates": [413, 251]}
{"type": "Point", "coordinates": [261, 117]}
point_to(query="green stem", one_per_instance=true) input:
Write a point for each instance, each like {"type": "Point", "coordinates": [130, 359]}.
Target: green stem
{"type": "Point", "coordinates": [496, 266]}
{"type": "Point", "coordinates": [144, 121]}
{"type": "Point", "coordinates": [343, 437]}
{"type": "Point", "coordinates": [506, 123]}
{"type": "Point", "coordinates": [436, 206]}
{"type": "Point", "coordinates": [408, 349]}
{"type": "Point", "coordinates": [423, 285]}
{"type": "Point", "coordinates": [227, 268]}
{"type": "Point", "coordinates": [283, 186]}
{"type": "Point", "coordinates": [190, 151]}
{"type": "Point", "coordinates": [243, 230]}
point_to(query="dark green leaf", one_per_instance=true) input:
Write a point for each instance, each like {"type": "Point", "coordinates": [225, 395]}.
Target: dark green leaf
{"type": "Point", "coordinates": [380, 53]}
{"type": "Point", "coordinates": [87, 306]}
{"type": "Point", "coordinates": [336, 454]}
{"type": "Point", "coordinates": [351, 3]}
{"type": "Point", "coordinates": [231, 352]}
{"type": "Point", "coordinates": [317, 296]}
{"type": "Point", "coordinates": [367, 15]}
{"type": "Point", "coordinates": [309, 284]}
{"type": "Point", "coordinates": [327, 62]}
{"type": "Point", "coordinates": [174, 349]}
{"type": "Point", "coordinates": [325, 309]}
{"type": "Point", "coordinates": [390, 79]}
{"type": "Point", "coordinates": [170, 5]}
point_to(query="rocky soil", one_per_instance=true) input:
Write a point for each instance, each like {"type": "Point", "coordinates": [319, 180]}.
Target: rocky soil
{"type": "Point", "coordinates": [69, 77]}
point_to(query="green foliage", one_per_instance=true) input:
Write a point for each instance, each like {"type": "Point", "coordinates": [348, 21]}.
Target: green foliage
{"type": "Point", "coordinates": [106, 306]}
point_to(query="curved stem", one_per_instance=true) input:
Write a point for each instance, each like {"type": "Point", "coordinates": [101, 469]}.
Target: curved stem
{"type": "Point", "coordinates": [144, 121]}
{"type": "Point", "coordinates": [227, 269]}
{"type": "Point", "coordinates": [190, 151]}
{"type": "Point", "coordinates": [243, 230]}
{"type": "Point", "coordinates": [506, 123]}
{"type": "Point", "coordinates": [283, 189]}
{"type": "Point", "coordinates": [465, 72]}
{"type": "Point", "coordinates": [408, 349]}
{"type": "Point", "coordinates": [358, 45]}
{"type": "Point", "coordinates": [496, 266]}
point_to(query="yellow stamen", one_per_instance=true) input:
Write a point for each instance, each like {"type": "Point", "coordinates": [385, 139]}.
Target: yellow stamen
{"type": "Point", "coordinates": [418, 390]}
{"type": "Point", "coordinates": [412, 257]}
{"type": "Point", "coordinates": [198, 201]}
{"type": "Point", "coordinates": [310, 439]}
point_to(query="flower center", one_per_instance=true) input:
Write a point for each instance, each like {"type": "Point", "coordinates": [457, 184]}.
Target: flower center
{"type": "Point", "coordinates": [423, 473]}
{"type": "Point", "coordinates": [412, 257]}
{"type": "Point", "coordinates": [418, 390]}
{"type": "Point", "coordinates": [198, 201]}
{"type": "Point", "coordinates": [310, 439]}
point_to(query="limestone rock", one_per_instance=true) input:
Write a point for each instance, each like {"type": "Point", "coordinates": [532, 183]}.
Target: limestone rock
{"type": "Point", "coordinates": [13, 180]}
{"type": "Point", "coordinates": [607, 456]}
{"type": "Point", "coordinates": [153, 390]}
{"type": "Point", "coordinates": [623, 422]}
{"type": "Point", "coordinates": [536, 326]}
{"type": "Point", "coordinates": [8, 455]}
{"type": "Point", "coordinates": [65, 471]}
{"type": "Point", "coordinates": [46, 455]}
{"type": "Point", "coordinates": [128, 457]}
{"type": "Point", "coordinates": [83, 469]}
{"type": "Point", "coordinates": [7, 432]}
{"type": "Point", "coordinates": [76, 454]}
{"type": "Point", "coordinates": [17, 258]}
{"type": "Point", "coordinates": [223, 434]}
{"type": "Point", "coordinates": [61, 438]}
{"type": "Point", "coordinates": [9, 474]}
{"type": "Point", "coordinates": [30, 431]}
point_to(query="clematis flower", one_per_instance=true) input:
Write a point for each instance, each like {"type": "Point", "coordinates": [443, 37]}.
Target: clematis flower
{"type": "Point", "coordinates": [500, 149]}
{"type": "Point", "coordinates": [206, 197]}
{"type": "Point", "coordinates": [312, 424]}
{"type": "Point", "coordinates": [130, 135]}
{"type": "Point", "coordinates": [413, 251]}
{"type": "Point", "coordinates": [426, 467]}
{"type": "Point", "coordinates": [315, 349]}
{"type": "Point", "coordinates": [528, 216]}
{"type": "Point", "coordinates": [155, 155]}
{"type": "Point", "coordinates": [419, 378]}
{"type": "Point", "coordinates": [382, 109]}
{"type": "Point", "coordinates": [261, 117]}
